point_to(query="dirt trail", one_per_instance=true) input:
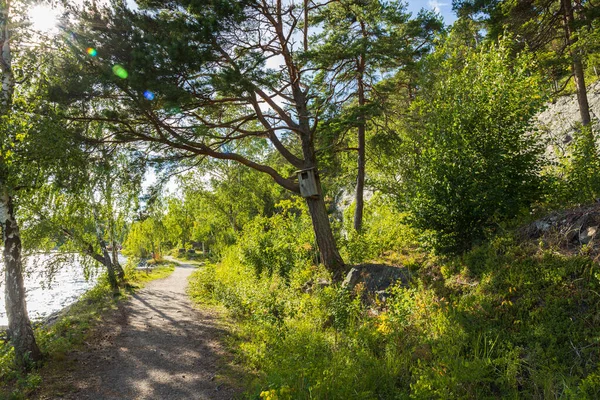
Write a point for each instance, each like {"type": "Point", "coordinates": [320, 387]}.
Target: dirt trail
{"type": "Point", "coordinates": [158, 347]}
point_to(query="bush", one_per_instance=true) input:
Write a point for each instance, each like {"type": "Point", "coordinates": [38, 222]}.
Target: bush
{"type": "Point", "coordinates": [577, 178]}
{"type": "Point", "coordinates": [276, 244]}
{"type": "Point", "coordinates": [385, 231]}
{"type": "Point", "coordinates": [467, 158]}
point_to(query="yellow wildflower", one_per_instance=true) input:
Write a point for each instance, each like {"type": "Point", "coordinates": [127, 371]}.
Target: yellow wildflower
{"type": "Point", "coordinates": [384, 327]}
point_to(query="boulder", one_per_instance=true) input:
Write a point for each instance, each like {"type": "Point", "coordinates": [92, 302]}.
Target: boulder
{"type": "Point", "coordinates": [542, 226]}
{"type": "Point", "coordinates": [376, 277]}
{"type": "Point", "coordinates": [322, 282]}
{"type": "Point", "coordinates": [310, 286]}
{"type": "Point", "coordinates": [573, 234]}
{"type": "Point", "coordinates": [586, 235]}
{"type": "Point", "coordinates": [569, 228]}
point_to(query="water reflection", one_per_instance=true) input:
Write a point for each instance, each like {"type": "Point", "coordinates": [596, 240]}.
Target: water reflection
{"type": "Point", "coordinates": [48, 292]}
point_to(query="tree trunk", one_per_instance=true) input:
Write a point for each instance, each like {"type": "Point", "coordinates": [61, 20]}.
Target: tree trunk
{"type": "Point", "coordinates": [360, 180]}
{"type": "Point", "coordinates": [112, 277]}
{"type": "Point", "coordinates": [19, 326]}
{"type": "Point", "coordinates": [114, 251]}
{"type": "Point", "coordinates": [104, 259]}
{"type": "Point", "coordinates": [8, 79]}
{"type": "Point", "coordinates": [582, 98]}
{"type": "Point", "coordinates": [115, 261]}
{"type": "Point", "coordinates": [577, 65]}
{"type": "Point", "coordinates": [330, 256]}
{"type": "Point", "coordinates": [360, 174]}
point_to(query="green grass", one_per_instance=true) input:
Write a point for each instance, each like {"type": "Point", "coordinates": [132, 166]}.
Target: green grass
{"type": "Point", "coordinates": [159, 270]}
{"type": "Point", "coordinates": [510, 318]}
{"type": "Point", "coordinates": [69, 332]}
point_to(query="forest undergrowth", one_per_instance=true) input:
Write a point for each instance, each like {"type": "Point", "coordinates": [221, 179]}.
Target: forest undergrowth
{"type": "Point", "coordinates": [511, 318]}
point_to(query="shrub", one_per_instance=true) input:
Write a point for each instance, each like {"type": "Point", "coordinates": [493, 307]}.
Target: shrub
{"type": "Point", "coordinates": [276, 244]}
{"type": "Point", "coordinates": [577, 178]}
{"type": "Point", "coordinates": [384, 231]}
{"type": "Point", "coordinates": [467, 158]}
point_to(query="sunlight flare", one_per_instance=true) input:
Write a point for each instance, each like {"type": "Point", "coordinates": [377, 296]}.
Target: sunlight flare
{"type": "Point", "coordinates": [44, 18]}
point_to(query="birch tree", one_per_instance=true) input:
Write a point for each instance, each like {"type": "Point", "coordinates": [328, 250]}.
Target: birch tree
{"type": "Point", "coordinates": [13, 135]}
{"type": "Point", "coordinates": [88, 215]}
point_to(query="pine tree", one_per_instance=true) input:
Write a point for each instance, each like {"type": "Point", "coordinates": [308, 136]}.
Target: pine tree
{"type": "Point", "coordinates": [549, 28]}
{"type": "Point", "coordinates": [206, 88]}
{"type": "Point", "coordinates": [361, 42]}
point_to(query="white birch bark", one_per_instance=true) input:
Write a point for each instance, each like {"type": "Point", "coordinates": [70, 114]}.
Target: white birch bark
{"type": "Point", "coordinates": [19, 326]}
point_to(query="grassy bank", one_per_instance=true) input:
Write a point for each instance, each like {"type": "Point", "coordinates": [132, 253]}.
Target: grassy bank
{"type": "Point", "coordinates": [74, 327]}
{"type": "Point", "coordinates": [509, 319]}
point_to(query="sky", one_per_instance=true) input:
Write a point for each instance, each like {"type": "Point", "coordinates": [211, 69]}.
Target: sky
{"type": "Point", "coordinates": [44, 17]}
{"type": "Point", "coordinates": [442, 7]}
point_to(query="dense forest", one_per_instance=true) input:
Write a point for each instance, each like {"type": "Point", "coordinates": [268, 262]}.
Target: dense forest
{"type": "Point", "coordinates": [383, 204]}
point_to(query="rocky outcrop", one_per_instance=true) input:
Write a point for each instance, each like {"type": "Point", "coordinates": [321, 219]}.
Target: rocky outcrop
{"type": "Point", "coordinates": [344, 199]}
{"type": "Point", "coordinates": [560, 118]}
{"type": "Point", "coordinates": [569, 228]}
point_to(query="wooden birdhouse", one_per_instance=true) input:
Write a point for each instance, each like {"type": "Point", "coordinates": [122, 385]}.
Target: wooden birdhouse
{"type": "Point", "coordinates": [308, 182]}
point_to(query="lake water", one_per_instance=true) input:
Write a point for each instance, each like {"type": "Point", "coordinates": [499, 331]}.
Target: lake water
{"type": "Point", "coordinates": [45, 296]}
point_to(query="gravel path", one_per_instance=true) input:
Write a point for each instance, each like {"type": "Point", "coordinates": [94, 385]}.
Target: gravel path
{"type": "Point", "coordinates": [158, 347]}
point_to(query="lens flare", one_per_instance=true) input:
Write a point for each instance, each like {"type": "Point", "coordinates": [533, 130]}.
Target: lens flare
{"type": "Point", "coordinates": [120, 71]}
{"type": "Point", "coordinates": [148, 95]}
{"type": "Point", "coordinates": [92, 51]}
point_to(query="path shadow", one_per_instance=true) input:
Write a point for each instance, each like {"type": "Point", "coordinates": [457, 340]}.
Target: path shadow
{"type": "Point", "coordinates": [164, 349]}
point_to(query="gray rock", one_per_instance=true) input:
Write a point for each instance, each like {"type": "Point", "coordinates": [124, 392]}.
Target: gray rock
{"type": "Point", "coordinates": [376, 277]}
{"type": "Point", "coordinates": [322, 282]}
{"type": "Point", "coordinates": [310, 286]}
{"type": "Point", "coordinates": [352, 278]}
{"type": "Point", "coordinates": [587, 234]}
{"type": "Point", "coordinates": [542, 226]}
{"type": "Point", "coordinates": [559, 120]}
{"type": "Point", "coordinates": [574, 233]}
{"type": "Point", "coordinates": [382, 295]}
